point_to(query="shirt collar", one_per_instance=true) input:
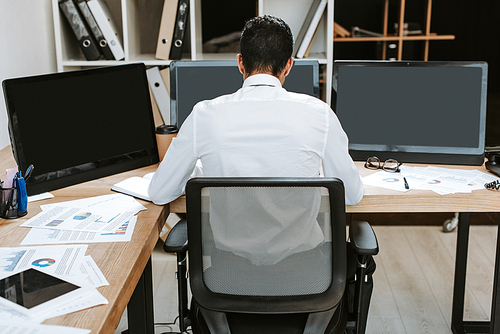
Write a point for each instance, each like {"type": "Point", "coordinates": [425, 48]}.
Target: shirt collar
{"type": "Point", "coordinates": [262, 80]}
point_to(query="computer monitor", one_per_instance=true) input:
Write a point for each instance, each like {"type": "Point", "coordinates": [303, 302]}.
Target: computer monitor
{"type": "Point", "coordinates": [80, 125]}
{"type": "Point", "coordinates": [195, 81]}
{"type": "Point", "coordinates": [413, 111]}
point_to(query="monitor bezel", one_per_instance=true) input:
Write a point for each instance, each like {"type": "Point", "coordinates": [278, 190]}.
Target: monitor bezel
{"type": "Point", "coordinates": [420, 154]}
{"type": "Point", "coordinates": [90, 170]}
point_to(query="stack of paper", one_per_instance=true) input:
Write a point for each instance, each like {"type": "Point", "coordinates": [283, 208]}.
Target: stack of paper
{"type": "Point", "coordinates": [67, 263]}
{"type": "Point", "coordinates": [12, 326]}
{"type": "Point", "coordinates": [107, 218]}
{"type": "Point", "coordinates": [440, 180]}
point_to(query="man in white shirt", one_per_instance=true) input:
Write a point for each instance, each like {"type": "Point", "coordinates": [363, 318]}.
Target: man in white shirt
{"type": "Point", "coordinates": [261, 130]}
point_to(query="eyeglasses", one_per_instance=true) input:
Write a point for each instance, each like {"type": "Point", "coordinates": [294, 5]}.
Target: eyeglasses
{"type": "Point", "coordinates": [390, 165]}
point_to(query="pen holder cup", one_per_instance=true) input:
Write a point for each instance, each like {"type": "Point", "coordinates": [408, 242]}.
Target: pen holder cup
{"type": "Point", "coordinates": [10, 207]}
{"type": "Point", "coordinates": [164, 136]}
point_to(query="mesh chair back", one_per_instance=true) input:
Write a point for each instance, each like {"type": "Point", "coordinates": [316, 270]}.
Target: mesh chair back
{"type": "Point", "coordinates": [258, 243]}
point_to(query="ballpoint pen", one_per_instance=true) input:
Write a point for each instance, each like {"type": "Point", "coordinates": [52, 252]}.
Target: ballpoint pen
{"type": "Point", "coordinates": [407, 186]}
{"type": "Point", "coordinates": [28, 172]}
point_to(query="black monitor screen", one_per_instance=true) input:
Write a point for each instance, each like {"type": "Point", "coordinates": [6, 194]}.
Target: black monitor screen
{"type": "Point", "coordinates": [429, 112]}
{"type": "Point", "coordinates": [81, 125]}
{"type": "Point", "coordinates": [195, 81]}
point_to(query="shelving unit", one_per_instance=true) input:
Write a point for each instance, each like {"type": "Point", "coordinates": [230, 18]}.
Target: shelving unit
{"type": "Point", "coordinates": [127, 14]}
{"type": "Point", "coordinates": [400, 37]}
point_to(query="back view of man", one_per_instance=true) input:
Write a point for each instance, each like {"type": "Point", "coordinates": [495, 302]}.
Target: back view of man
{"type": "Point", "coordinates": [262, 130]}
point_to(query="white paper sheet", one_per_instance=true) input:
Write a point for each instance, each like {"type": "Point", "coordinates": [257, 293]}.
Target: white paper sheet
{"type": "Point", "coordinates": [449, 181]}
{"type": "Point", "coordinates": [90, 219]}
{"type": "Point", "coordinates": [91, 300]}
{"type": "Point", "coordinates": [55, 260]}
{"type": "Point", "coordinates": [95, 277]}
{"type": "Point", "coordinates": [11, 327]}
{"type": "Point", "coordinates": [42, 236]}
{"type": "Point", "coordinates": [39, 197]}
{"type": "Point", "coordinates": [440, 180]}
{"type": "Point", "coordinates": [118, 202]}
{"type": "Point", "coordinates": [386, 180]}
{"type": "Point", "coordinates": [7, 314]}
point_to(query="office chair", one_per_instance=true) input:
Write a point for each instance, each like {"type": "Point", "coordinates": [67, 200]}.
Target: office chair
{"type": "Point", "coordinates": [268, 255]}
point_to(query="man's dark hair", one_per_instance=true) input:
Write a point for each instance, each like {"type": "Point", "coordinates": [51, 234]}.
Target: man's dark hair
{"type": "Point", "coordinates": [266, 44]}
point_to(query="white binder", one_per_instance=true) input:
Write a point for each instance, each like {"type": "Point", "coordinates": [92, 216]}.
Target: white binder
{"type": "Point", "coordinates": [160, 93]}
{"type": "Point", "coordinates": [103, 17]}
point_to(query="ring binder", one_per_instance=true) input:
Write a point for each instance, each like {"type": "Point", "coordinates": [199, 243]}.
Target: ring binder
{"type": "Point", "coordinates": [102, 16]}
{"type": "Point", "coordinates": [80, 29]}
{"type": "Point", "coordinates": [179, 30]}
{"type": "Point", "coordinates": [308, 29]}
{"type": "Point", "coordinates": [167, 28]}
{"type": "Point", "coordinates": [94, 28]}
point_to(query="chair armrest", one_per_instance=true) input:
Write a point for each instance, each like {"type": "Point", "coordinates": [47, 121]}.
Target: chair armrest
{"type": "Point", "coordinates": [363, 238]}
{"type": "Point", "coordinates": [177, 238]}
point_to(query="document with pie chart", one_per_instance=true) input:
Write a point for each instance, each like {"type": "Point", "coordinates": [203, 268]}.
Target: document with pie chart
{"type": "Point", "coordinates": [61, 260]}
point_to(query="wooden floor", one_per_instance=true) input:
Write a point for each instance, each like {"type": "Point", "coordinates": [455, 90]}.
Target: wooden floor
{"type": "Point", "coordinates": [413, 281]}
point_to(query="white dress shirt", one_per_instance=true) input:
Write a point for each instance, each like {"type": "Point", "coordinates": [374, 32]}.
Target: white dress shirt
{"type": "Point", "coordinates": [261, 130]}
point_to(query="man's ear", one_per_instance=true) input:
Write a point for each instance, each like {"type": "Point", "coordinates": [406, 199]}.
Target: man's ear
{"type": "Point", "coordinates": [239, 59]}
{"type": "Point", "coordinates": [288, 66]}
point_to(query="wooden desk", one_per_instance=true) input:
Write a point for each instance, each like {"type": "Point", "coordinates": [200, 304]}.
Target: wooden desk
{"type": "Point", "coordinates": [379, 200]}
{"type": "Point", "coordinates": [126, 265]}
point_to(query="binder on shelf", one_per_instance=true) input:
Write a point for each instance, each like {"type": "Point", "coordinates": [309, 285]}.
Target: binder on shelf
{"type": "Point", "coordinates": [165, 75]}
{"type": "Point", "coordinates": [306, 54]}
{"type": "Point", "coordinates": [160, 92]}
{"type": "Point", "coordinates": [94, 28]}
{"type": "Point", "coordinates": [156, 112]}
{"type": "Point", "coordinates": [179, 30]}
{"type": "Point", "coordinates": [306, 33]}
{"type": "Point", "coordinates": [166, 32]}
{"type": "Point", "coordinates": [102, 16]}
{"type": "Point", "coordinates": [85, 39]}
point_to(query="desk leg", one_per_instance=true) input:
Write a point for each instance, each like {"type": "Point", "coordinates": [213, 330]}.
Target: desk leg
{"type": "Point", "coordinates": [457, 312]}
{"type": "Point", "coordinates": [458, 325]}
{"type": "Point", "coordinates": [140, 310]}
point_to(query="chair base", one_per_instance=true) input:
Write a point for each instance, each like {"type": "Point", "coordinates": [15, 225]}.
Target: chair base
{"type": "Point", "coordinates": [270, 324]}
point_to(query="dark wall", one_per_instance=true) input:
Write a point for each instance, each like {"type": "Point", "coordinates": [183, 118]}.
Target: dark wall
{"type": "Point", "coordinates": [221, 17]}
{"type": "Point", "coordinates": [475, 25]}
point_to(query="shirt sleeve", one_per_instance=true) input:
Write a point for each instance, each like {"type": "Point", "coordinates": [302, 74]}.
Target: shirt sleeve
{"type": "Point", "coordinates": [338, 163]}
{"type": "Point", "coordinates": [174, 171]}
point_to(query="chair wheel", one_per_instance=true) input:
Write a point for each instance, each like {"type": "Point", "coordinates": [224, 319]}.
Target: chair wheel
{"type": "Point", "coordinates": [449, 225]}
